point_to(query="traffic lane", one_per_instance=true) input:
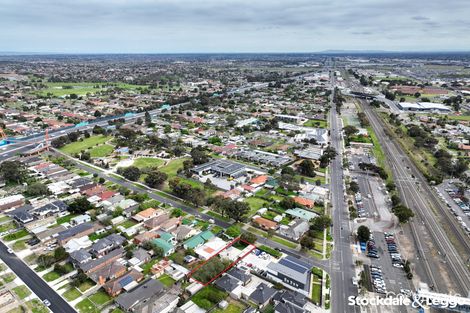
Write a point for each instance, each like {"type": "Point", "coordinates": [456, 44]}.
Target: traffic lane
{"type": "Point", "coordinates": [34, 282]}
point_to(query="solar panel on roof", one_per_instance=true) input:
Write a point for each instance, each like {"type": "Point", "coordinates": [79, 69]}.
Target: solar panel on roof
{"type": "Point", "coordinates": [295, 260]}
{"type": "Point", "coordinates": [125, 281]}
{"type": "Point", "coordinates": [300, 268]}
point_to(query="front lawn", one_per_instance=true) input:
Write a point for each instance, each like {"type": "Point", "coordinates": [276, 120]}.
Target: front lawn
{"type": "Point", "coordinates": [51, 276]}
{"type": "Point", "coordinates": [36, 306]}
{"type": "Point", "coordinates": [284, 242]}
{"type": "Point", "coordinates": [148, 162]}
{"type": "Point", "coordinates": [86, 306]}
{"type": "Point", "coordinates": [71, 294]}
{"type": "Point", "coordinates": [19, 245]}
{"type": "Point", "coordinates": [8, 278]}
{"type": "Point", "coordinates": [316, 123]}
{"type": "Point", "coordinates": [100, 298]}
{"type": "Point", "coordinates": [17, 235]}
{"type": "Point", "coordinates": [86, 285]}
{"type": "Point", "coordinates": [22, 292]}
{"type": "Point", "coordinates": [7, 226]}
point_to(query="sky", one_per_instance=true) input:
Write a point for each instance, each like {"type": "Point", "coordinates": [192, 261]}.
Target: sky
{"type": "Point", "coordinates": [184, 26]}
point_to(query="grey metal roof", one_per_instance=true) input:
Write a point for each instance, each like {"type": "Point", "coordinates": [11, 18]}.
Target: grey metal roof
{"type": "Point", "coordinates": [286, 308]}
{"type": "Point", "coordinates": [262, 293]}
{"type": "Point", "coordinates": [227, 283]}
{"type": "Point", "coordinates": [142, 292]}
{"type": "Point", "coordinates": [74, 231]}
{"type": "Point", "coordinates": [293, 268]}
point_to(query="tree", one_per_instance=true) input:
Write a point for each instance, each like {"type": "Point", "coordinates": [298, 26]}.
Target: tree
{"type": "Point", "coordinates": [80, 205]}
{"type": "Point", "coordinates": [130, 172]}
{"type": "Point", "coordinates": [199, 156]}
{"type": "Point", "coordinates": [155, 179]}
{"type": "Point", "coordinates": [37, 189]}
{"type": "Point", "coordinates": [215, 141]}
{"type": "Point", "coordinates": [363, 233]}
{"type": "Point", "coordinates": [307, 168]}
{"type": "Point", "coordinates": [248, 237]}
{"type": "Point", "coordinates": [288, 203]}
{"type": "Point", "coordinates": [237, 210]}
{"type": "Point", "coordinates": [354, 187]}
{"type": "Point", "coordinates": [148, 118]}
{"type": "Point", "coordinates": [307, 242]}
{"type": "Point", "coordinates": [403, 213]}
{"type": "Point", "coordinates": [97, 113]}
{"type": "Point", "coordinates": [320, 222]}
{"type": "Point", "coordinates": [157, 251]}
{"type": "Point", "coordinates": [350, 130]}
{"type": "Point", "coordinates": [13, 172]}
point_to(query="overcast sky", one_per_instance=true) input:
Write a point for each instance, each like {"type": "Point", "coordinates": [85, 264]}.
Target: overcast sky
{"type": "Point", "coordinates": [165, 26]}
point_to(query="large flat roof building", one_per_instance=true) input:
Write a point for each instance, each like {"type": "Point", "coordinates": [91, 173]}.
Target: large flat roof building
{"type": "Point", "coordinates": [423, 107]}
{"type": "Point", "coordinates": [222, 168]}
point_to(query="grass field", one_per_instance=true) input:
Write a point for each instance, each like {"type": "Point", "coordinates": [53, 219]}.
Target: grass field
{"type": "Point", "coordinates": [208, 296]}
{"type": "Point", "coordinates": [284, 242]}
{"type": "Point", "coordinates": [72, 294]}
{"type": "Point", "coordinates": [36, 306]}
{"type": "Point", "coordinates": [166, 280]}
{"type": "Point", "coordinates": [16, 235]}
{"type": "Point", "coordinates": [7, 226]}
{"type": "Point", "coordinates": [459, 117]}
{"type": "Point", "coordinates": [22, 291]}
{"type": "Point", "coordinates": [76, 147]}
{"type": "Point", "coordinates": [86, 285]}
{"type": "Point", "coordinates": [101, 151]}
{"type": "Point", "coordinates": [148, 162]}
{"type": "Point", "coordinates": [51, 276]}
{"type": "Point", "coordinates": [316, 289]}
{"type": "Point", "coordinates": [255, 204]}
{"type": "Point", "coordinates": [232, 308]}
{"type": "Point", "coordinates": [19, 245]}
{"type": "Point", "coordinates": [172, 167]}
{"type": "Point", "coordinates": [100, 298]}
{"type": "Point", "coordinates": [86, 306]}
{"type": "Point", "coordinates": [316, 123]}
{"type": "Point", "coordinates": [82, 88]}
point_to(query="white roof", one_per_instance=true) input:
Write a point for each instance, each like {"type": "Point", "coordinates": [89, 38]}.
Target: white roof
{"type": "Point", "coordinates": [11, 199]}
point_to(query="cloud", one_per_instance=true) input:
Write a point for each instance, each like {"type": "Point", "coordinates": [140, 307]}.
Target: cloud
{"type": "Point", "coordinates": [231, 25]}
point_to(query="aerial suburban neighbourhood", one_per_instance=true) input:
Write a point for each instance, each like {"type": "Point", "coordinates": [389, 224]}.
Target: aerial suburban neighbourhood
{"type": "Point", "coordinates": [137, 181]}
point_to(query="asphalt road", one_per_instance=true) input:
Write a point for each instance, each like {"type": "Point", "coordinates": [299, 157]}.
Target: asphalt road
{"type": "Point", "coordinates": [342, 266]}
{"type": "Point", "coordinates": [34, 282]}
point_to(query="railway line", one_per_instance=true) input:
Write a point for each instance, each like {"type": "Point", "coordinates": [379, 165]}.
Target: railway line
{"type": "Point", "coordinates": [415, 199]}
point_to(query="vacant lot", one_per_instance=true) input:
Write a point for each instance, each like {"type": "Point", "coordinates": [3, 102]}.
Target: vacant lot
{"type": "Point", "coordinates": [172, 167]}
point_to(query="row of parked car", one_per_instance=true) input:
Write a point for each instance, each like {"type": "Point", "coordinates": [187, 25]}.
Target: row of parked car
{"type": "Point", "coordinates": [361, 212]}
{"type": "Point", "coordinates": [372, 251]}
{"type": "Point", "coordinates": [461, 204]}
{"type": "Point", "coordinates": [397, 261]}
{"type": "Point", "coordinates": [377, 279]}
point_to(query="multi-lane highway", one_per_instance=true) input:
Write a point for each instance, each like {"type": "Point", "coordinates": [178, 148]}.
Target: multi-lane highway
{"type": "Point", "coordinates": [34, 282]}
{"type": "Point", "coordinates": [342, 266]}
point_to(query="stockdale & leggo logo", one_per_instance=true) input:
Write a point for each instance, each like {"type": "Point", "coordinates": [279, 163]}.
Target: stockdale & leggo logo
{"type": "Point", "coordinates": [415, 301]}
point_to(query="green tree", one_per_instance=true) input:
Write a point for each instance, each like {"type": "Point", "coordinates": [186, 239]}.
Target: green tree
{"type": "Point", "coordinates": [307, 168]}
{"type": "Point", "coordinates": [13, 172]}
{"type": "Point", "coordinates": [130, 172]}
{"type": "Point", "coordinates": [320, 222]}
{"type": "Point", "coordinates": [80, 205]}
{"type": "Point", "coordinates": [249, 237]}
{"type": "Point", "coordinates": [37, 189]}
{"type": "Point", "coordinates": [155, 179]}
{"type": "Point", "coordinates": [363, 233]}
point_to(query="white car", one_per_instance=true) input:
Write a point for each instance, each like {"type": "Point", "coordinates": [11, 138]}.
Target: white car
{"type": "Point", "coordinates": [46, 302]}
{"type": "Point", "coordinates": [10, 251]}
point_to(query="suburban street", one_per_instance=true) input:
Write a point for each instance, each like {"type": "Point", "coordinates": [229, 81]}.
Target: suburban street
{"type": "Point", "coordinates": [34, 282]}
{"type": "Point", "coordinates": [323, 264]}
{"type": "Point", "coordinates": [342, 266]}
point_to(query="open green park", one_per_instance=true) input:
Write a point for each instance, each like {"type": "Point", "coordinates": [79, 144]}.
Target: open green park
{"type": "Point", "coordinates": [86, 143]}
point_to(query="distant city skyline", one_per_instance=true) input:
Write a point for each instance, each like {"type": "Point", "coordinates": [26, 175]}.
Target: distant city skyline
{"type": "Point", "coordinates": [211, 26]}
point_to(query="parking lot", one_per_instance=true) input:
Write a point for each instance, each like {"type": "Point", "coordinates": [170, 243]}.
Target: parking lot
{"type": "Point", "coordinates": [390, 262]}
{"type": "Point", "coordinates": [448, 192]}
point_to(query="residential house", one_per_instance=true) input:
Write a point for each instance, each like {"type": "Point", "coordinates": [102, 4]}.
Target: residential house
{"type": "Point", "coordinates": [262, 295]}
{"type": "Point", "coordinates": [264, 223]}
{"type": "Point", "coordinates": [125, 282]}
{"type": "Point", "coordinates": [295, 229]}
{"type": "Point", "coordinates": [198, 240]}
{"type": "Point", "coordinates": [141, 298]}
{"type": "Point", "coordinates": [292, 273]}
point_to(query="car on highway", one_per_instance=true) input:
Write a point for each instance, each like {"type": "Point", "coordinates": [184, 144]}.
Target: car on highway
{"type": "Point", "coordinates": [10, 250]}
{"type": "Point", "coordinates": [46, 302]}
